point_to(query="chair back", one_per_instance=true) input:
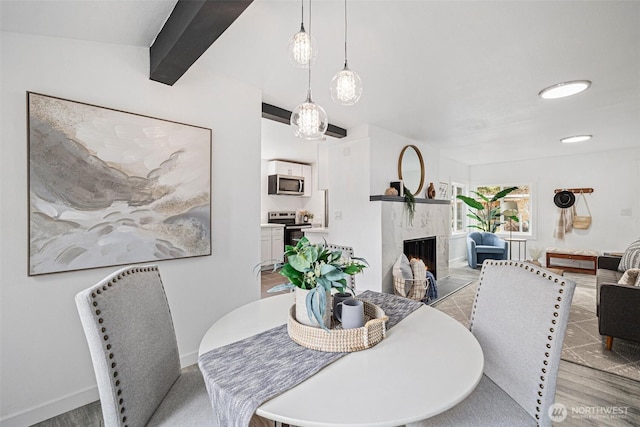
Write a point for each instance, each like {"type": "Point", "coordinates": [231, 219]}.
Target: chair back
{"type": "Point", "coordinates": [132, 342]}
{"type": "Point", "coordinates": [520, 317]}
{"type": "Point", "coordinates": [485, 238]}
{"type": "Point", "coordinates": [347, 252]}
{"type": "Point", "coordinates": [476, 236]}
{"type": "Point", "coordinates": [490, 239]}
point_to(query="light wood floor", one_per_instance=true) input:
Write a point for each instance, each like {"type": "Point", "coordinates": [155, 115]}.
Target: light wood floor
{"type": "Point", "coordinates": [592, 397]}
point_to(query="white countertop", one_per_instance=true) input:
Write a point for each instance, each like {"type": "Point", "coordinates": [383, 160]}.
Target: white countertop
{"type": "Point", "coordinates": [272, 225]}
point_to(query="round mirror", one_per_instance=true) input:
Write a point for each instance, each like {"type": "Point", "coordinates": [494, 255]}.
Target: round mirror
{"type": "Point", "coordinates": [411, 169]}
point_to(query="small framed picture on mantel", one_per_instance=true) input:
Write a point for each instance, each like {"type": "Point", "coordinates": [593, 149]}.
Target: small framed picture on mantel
{"type": "Point", "coordinates": [399, 186]}
{"type": "Point", "coordinates": [443, 191]}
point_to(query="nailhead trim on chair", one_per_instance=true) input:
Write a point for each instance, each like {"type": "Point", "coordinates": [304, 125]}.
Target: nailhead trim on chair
{"type": "Point", "coordinates": [551, 277]}
{"type": "Point", "coordinates": [103, 329]}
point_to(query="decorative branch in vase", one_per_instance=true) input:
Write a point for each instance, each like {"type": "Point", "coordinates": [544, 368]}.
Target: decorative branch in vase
{"type": "Point", "coordinates": [315, 270]}
{"type": "Point", "coordinates": [536, 252]}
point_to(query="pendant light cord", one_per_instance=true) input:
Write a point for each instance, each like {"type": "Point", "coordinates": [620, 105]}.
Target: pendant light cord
{"type": "Point", "coordinates": [345, 33]}
{"type": "Point", "coordinates": [309, 90]}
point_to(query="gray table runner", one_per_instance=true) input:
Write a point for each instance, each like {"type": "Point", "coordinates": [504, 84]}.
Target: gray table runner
{"type": "Point", "coordinates": [243, 375]}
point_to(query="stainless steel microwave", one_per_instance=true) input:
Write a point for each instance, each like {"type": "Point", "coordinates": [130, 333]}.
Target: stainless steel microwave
{"type": "Point", "coordinates": [286, 184]}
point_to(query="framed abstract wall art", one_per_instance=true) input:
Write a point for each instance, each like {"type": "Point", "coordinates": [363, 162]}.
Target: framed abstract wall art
{"type": "Point", "coordinates": [107, 187]}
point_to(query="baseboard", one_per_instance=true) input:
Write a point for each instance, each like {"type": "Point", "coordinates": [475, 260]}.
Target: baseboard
{"type": "Point", "coordinates": [51, 409]}
{"type": "Point", "coordinates": [67, 403]}
{"type": "Point", "coordinates": [189, 359]}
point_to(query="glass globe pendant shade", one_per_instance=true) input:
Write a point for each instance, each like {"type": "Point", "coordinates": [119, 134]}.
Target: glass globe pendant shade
{"type": "Point", "coordinates": [346, 87]}
{"type": "Point", "coordinates": [309, 120]}
{"type": "Point", "coordinates": [302, 49]}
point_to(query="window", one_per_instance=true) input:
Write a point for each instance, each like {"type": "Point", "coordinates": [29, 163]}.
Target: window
{"type": "Point", "coordinates": [522, 197]}
{"type": "Point", "coordinates": [458, 209]}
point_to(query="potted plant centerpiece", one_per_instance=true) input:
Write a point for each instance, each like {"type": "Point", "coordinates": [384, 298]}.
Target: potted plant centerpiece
{"type": "Point", "coordinates": [313, 270]}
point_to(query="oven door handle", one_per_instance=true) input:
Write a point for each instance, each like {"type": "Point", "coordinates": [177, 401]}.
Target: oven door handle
{"type": "Point", "coordinates": [297, 227]}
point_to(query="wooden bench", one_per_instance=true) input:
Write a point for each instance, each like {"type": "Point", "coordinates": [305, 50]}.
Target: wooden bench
{"type": "Point", "coordinates": [575, 255]}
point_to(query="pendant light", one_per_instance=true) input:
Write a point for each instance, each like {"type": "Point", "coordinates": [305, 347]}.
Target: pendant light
{"type": "Point", "coordinates": [302, 47]}
{"type": "Point", "coordinates": [346, 86]}
{"type": "Point", "coordinates": [309, 120]}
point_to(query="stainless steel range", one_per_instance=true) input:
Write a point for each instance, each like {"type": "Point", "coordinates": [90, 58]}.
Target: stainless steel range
{"type": "Point", "coordinates": [292, 230]}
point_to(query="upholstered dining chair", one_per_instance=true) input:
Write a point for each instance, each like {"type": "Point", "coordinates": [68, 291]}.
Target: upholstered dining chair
{"type": "Point", "coordinates": [519, 317]}
{"type": "Point", "coordinates": [129, 329]}
{"type": "Point", "coordinates": [347, 252]}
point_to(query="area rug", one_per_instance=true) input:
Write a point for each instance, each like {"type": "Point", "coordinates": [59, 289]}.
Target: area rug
{"type": "Point", "coordinates": [582, 344]}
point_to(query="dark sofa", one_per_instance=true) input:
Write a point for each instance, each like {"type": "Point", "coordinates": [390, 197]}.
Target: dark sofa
{"type": "Point", "coordinates": [617, 306]}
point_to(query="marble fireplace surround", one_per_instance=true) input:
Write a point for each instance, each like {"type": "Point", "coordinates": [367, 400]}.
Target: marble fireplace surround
{"type": "Point", "coordinates": [432, 218]}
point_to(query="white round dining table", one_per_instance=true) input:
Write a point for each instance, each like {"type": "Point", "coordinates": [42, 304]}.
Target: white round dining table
{"type": "Point", "coordinates": [425, 365]}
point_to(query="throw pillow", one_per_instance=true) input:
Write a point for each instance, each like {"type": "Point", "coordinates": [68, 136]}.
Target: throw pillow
{"type": "Point", "coordinates": [631, 257]}
{"type": "Point", "coordinates": [419, 269]}
{"type": "Point", "coordinates": [402, 268]}
{"type": "Point", "coordinates": [630, 277]}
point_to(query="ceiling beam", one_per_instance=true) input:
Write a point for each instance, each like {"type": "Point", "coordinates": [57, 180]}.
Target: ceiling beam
{"type": "Point", "coordinates": [281, 115]}
{"type": "Point", "coordinates": [191, 28]}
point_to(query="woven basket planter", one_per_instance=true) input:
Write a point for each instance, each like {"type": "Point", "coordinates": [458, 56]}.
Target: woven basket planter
{"type": "Point", "coordinates": [337, 339]}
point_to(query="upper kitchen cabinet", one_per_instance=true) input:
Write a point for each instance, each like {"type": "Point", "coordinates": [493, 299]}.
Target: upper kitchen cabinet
{"type": "Point", "coordinates": [279, 167]}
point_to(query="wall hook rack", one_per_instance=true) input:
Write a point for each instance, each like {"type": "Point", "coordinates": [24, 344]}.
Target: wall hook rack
{"type": "Point", "coordinates": [574, 190]}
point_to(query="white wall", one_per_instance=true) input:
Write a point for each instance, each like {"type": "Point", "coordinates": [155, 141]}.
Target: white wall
{"type": "Point", "coordinates": [614, 176]}
{"type": "Point", "coordinates": [354, 220]}
{"type": "Point", "coordinates": [45, 364]}
{"type": "Point", "coordinates": [385, 151]}
{"type": "Point", "coordinates": [453, 171]}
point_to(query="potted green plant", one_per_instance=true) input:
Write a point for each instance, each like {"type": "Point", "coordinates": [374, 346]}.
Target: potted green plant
{"type": "Point", "coordinates": [306, 216]}
{"type": "Point", "coordinates": [485, 211]}
{"type": "Point", "coordinates": [313, 270]}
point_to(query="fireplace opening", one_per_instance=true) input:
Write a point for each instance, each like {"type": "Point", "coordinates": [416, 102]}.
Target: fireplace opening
{"type": "Point", "coordinates": [423, 248]}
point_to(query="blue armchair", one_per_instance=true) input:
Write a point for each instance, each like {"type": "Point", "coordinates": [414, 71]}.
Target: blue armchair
{"type": "Point", "coordinates": [482, 245]}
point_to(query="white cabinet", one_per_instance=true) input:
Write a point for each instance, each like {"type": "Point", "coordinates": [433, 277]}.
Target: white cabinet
{"type": "Point", "coordinates": [279, 167]}
{"type": "Point", "coordinates": [306, 174]}
{"type": "Point", "coordinates": [265, 246]}
{"type": "Point", "coordinates": [277, 243]}
{"type": "Point", "coordinates": [271, 245]}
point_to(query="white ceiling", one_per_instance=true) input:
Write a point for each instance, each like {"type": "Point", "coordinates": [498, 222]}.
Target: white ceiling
{"type": "Point", "coordinates": [460, 75]}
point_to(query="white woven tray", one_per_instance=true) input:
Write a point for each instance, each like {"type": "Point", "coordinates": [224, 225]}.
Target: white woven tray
{"type": "Point", "coordinates": [338, 339]}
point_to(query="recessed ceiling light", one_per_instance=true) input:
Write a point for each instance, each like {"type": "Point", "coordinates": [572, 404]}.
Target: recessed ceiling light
{"type": "Point", "coordinates": [576, 138]}
{"type": "Point", "coordinates": [564, 89]}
